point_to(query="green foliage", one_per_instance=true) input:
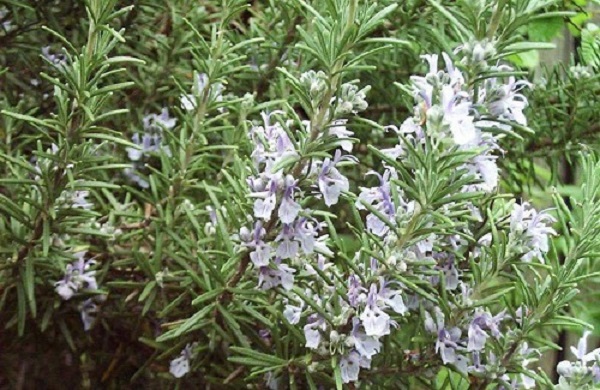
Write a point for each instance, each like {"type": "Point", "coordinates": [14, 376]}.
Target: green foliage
{"type": "Point", "coordinates": [79, 82]}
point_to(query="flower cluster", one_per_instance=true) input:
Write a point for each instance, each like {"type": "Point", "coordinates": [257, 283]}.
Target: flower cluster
{"type": "Point", "coordinates": [529, 231]}
{"type": "Point", "coordinates": [346, 312]}
{"type": "Point", "coordinates": [584, 373]}
{"type": "Point", "coordinates": [386, 211]}
{"type": "Point", "coordinates": [149, 142]}
{"type": "Point", "coordinates": [201, 86]}
{"type": "Point", "coordinates": [284, 235]}
{"type": "Point", "coordinates": [77, 199]}
{"type": "Point", "coordinates": [79, 276]}
{"type": "Point", "coordinates": [58, 60]}
{"type": "Point", "coordinates": [362, 320]}
{"type": "Point", "coordinates": [286, 238]}
{"type": "Point", "coordinates": [448, 115]}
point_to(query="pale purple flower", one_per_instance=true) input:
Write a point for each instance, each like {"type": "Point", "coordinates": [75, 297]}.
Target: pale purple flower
{"type": "Point", "coordinates": [271, 143]}
{"type": "Point", "coordinates": [450, 274]}
{"type": "Point", "coordinates": [581, 351]}
{"type": "Point", "coordinates": [272, 381]}
{"type": "Point", "coordinates": [262, 252]}
{"type": "Point", "coordinates": [288, 246]}
{"type": "Point", "coordinates": [531, 229]}
{"type": "Point", "coordinates": [151, 140]}
{"type": "Point", "coordinates": [477, 337]}
{"type": "Point", "coordinates": [180, 366]}
{"type": "Point", "coordinates": [7, 25]}
{"type": "Point", "coordinates": [447, 343]}
{"type": "Point", "coordinates": [381, 199]}
{"type": "Point", "coordinates": [292, 313]}
{"type": "Point", "coordinates": [133, 176]}
{"type": "Point", "coordinates": [312, 332]}
{"type": "Point", "coordinates": [457, 117]}
{"type": "Point", "coordinates": [331, 182]}
{"type": "Point", "coordinates": [433, 325]}
{"type": "Point", "coordinates": [506, 102]}
{"type": "Point", "coordinates": [526, 381]}
{"type": "Point", "coordinates": [79, 200]}
{"type": "Point", "coordinates": [375, 321]}
{"type": "Point", "coordinates": [350, 367]}
{"type": "Point", "coordinates": [424, 89]}
{"type": "Point", "coordinates": [306, 233]}
{"type": "Point", "coordinates": [565, 369]}
{"type": "Point", "coordinates": [189, 102]}
{"type": "Point", "coordinates": [482, 322]}
{"type": "Point", "coordinates": [159, 122]}
{"type": "Point", "coordinates": [393, 152]}
{"type": "Point", "coordinates": [289, 208]}
{"type": "Point", "coordinates": [426, 245]}
{"type": "Point", "coordinates": [487, 170]}
{"type": "Point", "coordinates": [411, 130]}
{"type": "Point", "coordinates": [282, 276]}
{"type": "Point", "coordinates": [596, 374]}
{"type": "Point", "coordinates": [339, 130]}
{"type": "Point", "coordinates": [77, 276]}
{"type": "Point", "coordinates": [266, 202]}
{"type": "Point", "coordinates": [393, 299]}
{"type": "Point", "coordinates": [355, 289]}
{"type": "Point", "coordinates": [144, 146]}
{"type": "Point", "coordinates": [321, 246]}
{"type": "Point", "coordinates": [58, 60]}
{"type": "Point", "coordinates": [366, 346]}
{"type": "Point", "coordinates": [88, 309]}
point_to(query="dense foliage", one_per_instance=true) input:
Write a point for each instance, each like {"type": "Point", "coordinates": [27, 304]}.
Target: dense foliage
{"type": "Point", "coordinates": [296, 194]}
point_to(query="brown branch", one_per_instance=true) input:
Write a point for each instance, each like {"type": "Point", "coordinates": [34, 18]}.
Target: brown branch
{"type": "Point", "coordinates": [549, 143]}
{"type": "Point", "coordinates": [38, 230]}
{"type": "Point", "coordinates": [263, 83]}
{"type": "Point", "coordinates": [234, 374]}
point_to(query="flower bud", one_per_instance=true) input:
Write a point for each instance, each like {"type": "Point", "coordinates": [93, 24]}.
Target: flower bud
{"type": "Point", "coordinates": [565, 369]}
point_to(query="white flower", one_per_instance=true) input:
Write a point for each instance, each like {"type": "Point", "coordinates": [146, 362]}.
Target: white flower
{"type": "Point", "coordinates": [456, 115]}
{"type": "Point", "coordinates": [488, 171]}
{"type": "Point", "coordinates": [272, 381]}
{"type": "Point", "coordinates": [394, 300]}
